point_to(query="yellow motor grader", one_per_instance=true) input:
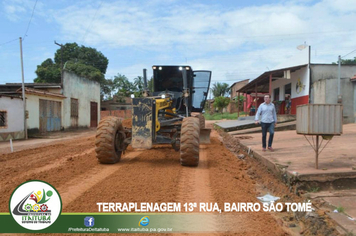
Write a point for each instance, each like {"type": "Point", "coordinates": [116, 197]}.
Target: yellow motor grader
{"type": "Point", "coordinates": [171, 114]}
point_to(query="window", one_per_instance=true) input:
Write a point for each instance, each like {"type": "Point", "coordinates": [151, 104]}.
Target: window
{"type": "Point", "coordinates": [3, 119]}
{"type": "Point", "coordinates": [169, 77]}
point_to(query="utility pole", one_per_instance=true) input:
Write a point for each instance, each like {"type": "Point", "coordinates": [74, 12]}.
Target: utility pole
{"type": "Point", "coordinates": [23, 91]}
{"type": "Point", "coordinates": [61, 45]}
{"type": "Point", "coordinates": [339, 97]}
{"type": "Point", "coordinates": [309, 73]}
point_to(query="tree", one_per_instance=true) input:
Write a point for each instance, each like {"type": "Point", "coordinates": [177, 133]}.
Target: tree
{"type": "Point", "coordinates": [123, 87]}
{"type": "Point", "coordinates": [108, 88]}
{"type": "Point", "coordinates": [82, 55]}
{"type": "Point", "coordinates": [239, 100]}
{"type": "Point", "coordinates": [347, 61]}
{"type": "Point", "coordinates": [221, 102]}
{"type": "Point", "coordinates": [83, 61]}
{"type": "Point", "coordinates": [86, 71]}
{"type": "Point", "coordinates": [220, 89]}
{"type": "Point", "coordinates": [48, 72]}
{"type": "Point", "coordinates": [138, 83]}
{"type": "Point", "coordinates": [150, 85]}
{"type": "Point", "coordinates": [139, 86]}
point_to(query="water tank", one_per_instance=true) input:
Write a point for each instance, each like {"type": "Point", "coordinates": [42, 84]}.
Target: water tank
{"type": "Point", "coordinates": [319, 119]}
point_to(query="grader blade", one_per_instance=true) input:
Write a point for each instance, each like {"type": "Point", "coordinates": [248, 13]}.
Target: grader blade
{"type": "Point", "coordinates": [204, 136]}
{"type": "Point", "coordinates": [143, 122]}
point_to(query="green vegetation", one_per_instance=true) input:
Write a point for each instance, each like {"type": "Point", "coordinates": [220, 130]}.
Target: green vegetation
{"type": "Point", "coordinates": [314, 190]}
{"type": "Point", "coordinates": [89, 63]}
{"type": "Point", "coordinates": [347, 61]}
{"type": "Point", "coordinates": [220, 89]}
{"type": "Point", "coordinates": [83, 61]}
{"type": "Point", "coordinates": [340, 209]}
{"type": "Point", "coordinates": [240, 98]}
{"type": "Point", "coordinates": [219, 116]}
{"type": "Point", "coordinates": [221, 102]}
{"type": "Point", "coordinates": [122, 87]}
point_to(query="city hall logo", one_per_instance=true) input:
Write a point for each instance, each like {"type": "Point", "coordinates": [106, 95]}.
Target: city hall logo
{"type": "Point", "coordinates": [35, 205]}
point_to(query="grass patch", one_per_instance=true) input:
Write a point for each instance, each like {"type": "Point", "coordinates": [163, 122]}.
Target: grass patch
{"type": "Point", "coordinates": [314, 190]}
{"type": "Point", "coordinates": [226, 115]}
{"type": "Point", "coordinates": [340, 209]}
{"type": "Point", "coordinates": [289, 162]}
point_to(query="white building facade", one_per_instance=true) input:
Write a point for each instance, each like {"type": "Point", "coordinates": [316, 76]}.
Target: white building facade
{"type": "Point", "coordinates": [12, 117]}
{"type": "Point", "coordinates": [50, 107]}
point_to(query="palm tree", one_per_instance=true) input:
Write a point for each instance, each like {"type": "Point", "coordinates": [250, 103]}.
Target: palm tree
{"type": "Point", "coordinates": [138, 83]}
{"type": "Point", "coordinates": [220, 89]}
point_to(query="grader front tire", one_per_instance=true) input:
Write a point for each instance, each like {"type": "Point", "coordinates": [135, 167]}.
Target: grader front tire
{"type": "Point", "coordinates": [189, 142]}
{"type": "Point", "coordinates": [109, 140]}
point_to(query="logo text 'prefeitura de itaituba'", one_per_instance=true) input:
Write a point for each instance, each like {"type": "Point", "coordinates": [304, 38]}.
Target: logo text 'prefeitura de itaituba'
{"type": "Point", "coordinates": [35, 205]}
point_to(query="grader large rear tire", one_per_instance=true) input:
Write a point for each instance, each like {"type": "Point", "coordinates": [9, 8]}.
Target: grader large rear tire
{"type": "Point", "coordinates": [189, 142]}
{"type": "Point", "coordinates": [109, 140]}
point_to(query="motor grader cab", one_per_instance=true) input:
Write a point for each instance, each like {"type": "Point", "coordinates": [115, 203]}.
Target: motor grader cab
{"type": "Point", "coordinates": [171, 114]}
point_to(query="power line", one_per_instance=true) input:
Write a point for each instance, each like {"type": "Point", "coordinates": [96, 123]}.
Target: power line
{"type": "Point", "coordinates": [29, 23]}
{"type": "Point", "coordinates": [85, 34]}
{"type": "Point", "coordinates": [349, 53]}
{"type": "Point", "coordinates": [206, 38]}
{"type": "Point", "coordinates": [9, 41]}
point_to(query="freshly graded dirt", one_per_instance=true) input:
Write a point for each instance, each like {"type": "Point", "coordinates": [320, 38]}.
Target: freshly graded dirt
{"type": "Point", "coordinates": [318, 223]}
{"type": "Point", "coordinates": [145, 176]}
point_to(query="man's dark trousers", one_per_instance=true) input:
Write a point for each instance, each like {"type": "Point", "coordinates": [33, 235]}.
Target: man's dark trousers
{"type": "Point", "coordinates": [270, 128]}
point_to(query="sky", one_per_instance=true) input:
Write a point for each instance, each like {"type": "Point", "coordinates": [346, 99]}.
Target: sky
{"type": "Point", "coordinates": [236, 40]}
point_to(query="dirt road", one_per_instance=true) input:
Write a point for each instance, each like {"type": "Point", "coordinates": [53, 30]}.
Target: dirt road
{"type": "Point", "coordinates": [141, 176]}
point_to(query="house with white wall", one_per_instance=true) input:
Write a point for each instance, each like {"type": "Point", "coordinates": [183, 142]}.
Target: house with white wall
{"type": "Point", "coordinates": [81, 108]}
{"type": "Point", "coordinates": [290, 81]}
{"type": "Point", "coordinates": [316, 84]}
{"type": "Point", "coordinates": [54, 107]}
{"type": "Point", "coordinates": [12, 118]}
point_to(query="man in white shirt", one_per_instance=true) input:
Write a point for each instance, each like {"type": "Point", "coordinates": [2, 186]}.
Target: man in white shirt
{"type": "Point", "coordinates": [267, 111]}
